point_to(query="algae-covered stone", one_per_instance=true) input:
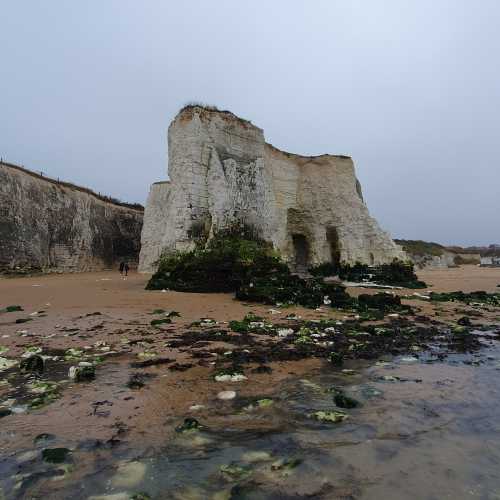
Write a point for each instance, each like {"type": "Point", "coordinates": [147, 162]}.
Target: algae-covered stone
{"type": "Point", "coordinates": [140, 496]}
{"type": "Point", "coordinates": [73, 354]}
{"type": "Point", "coordinates": [229, 375]}
{"type": "Point", "coordinates": [34, 363]}
{"type": "Point", "coordinates": [112, 496]}
{"type": "Point", "coordinates": [6, 363]}
{"type": "Point", "coordinates": [286, 463]}
{"type": "Point", "coordinates": [129, 475]}
{"type": "Point", "coordinates": [5, 412]}
{"type": "Point", "coordinates": [234, 472]}
{"type": "Point", "coordinates": [330, 416]}
{"type": "Point", "coordinates": [370, 392]}
{"type": "Point", "coordinates": [189, 425]}
{"type": "Point", "coordinates": [83, 372]}
{"type": "Point", "coordinates": [56, 455]}
{"type": "Point", "coordinates": [343, 401]}
{"type": "Point", "coordinates": [336, 358]}
{"type": "Point", "coordinates": [265, 403]}
{"type": "Point", "coordinates": [256, 456]}
{"type": "Point", "coordinates": [31, 350]}
{"type": "Point", "coordinates": [12, 309]}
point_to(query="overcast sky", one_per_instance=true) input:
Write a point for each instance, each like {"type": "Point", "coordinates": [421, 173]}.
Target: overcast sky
{"type": "Point", "coordinates": [409, 88]}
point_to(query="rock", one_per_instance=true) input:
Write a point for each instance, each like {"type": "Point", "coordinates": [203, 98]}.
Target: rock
{"type": "Point", "coordinates": [286, 463]}
{"type": "Point", "coordinates": [129, 475]}
{"type": "Point", "coordinates": [31, 350]}
{"type": "Point", "coordinates": [5, 412]}
{"type": "Point", "coordinates": [330, 416]}
{"type": "Point", "coordinates": [34, 363]}
{"type": "Point", "coordinates": [112, 496]}
{"type": "Point", "coordinates": [83, 372]}
{"type": "Point", "coordinates": [55, 455]}
{"type": "Point", "coordinates": [265, 403]}
{"type": "Point", "coordinates": [464, 321]}
{"type": "Point", "coordinates": [226, 395]}
{"type": "Point", "coordinates": [343, 401]}
{"type": "Point", "coordinates": [256, 456]}
{"type": "Point", "coordinates": [197, 407]}
{"type": "Point", "coordinates": [12, 309]}
{"type": "Point", "coordinates": [222, 174]}
{"type": "Point", "coordinates": [6, 363]}
{"type": "Point", "coordinates": [43, 438]}
{"type": "Point", "coordinates": [189, 425]}
{"type": "Point", "coordinates": [234, 472]}
{"type": "Point", "coordinates": [408, 360]}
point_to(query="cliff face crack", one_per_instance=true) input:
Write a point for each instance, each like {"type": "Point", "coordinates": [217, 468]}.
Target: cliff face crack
{"type": "Point", "coordinates": [242, 181]}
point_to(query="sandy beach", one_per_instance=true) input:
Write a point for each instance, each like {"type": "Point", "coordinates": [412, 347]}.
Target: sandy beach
{"type": "Point", "coordinates": [109, 317]}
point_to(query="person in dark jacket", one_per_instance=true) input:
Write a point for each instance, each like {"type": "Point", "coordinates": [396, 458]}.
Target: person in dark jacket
{"type": "Point", "coordinates": [126, 268]}
{"type": "Point", "coordinates": [122, 267]}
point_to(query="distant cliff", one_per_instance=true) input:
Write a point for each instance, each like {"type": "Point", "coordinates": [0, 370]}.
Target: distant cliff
{"type": "Point", "coordinates": [433, 255]}
{"type": "Point", "coordinates": [48, 225]}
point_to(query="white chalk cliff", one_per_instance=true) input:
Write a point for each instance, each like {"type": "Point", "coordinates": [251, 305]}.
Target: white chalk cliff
{"type": "Point", "coordinates": [223, 174]}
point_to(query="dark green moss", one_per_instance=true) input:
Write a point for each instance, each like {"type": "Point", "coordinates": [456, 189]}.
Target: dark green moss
{"type": "Point", "coordinates": [13, 309]}
{"type": "Point", "coordinates": [480, 297]}
{"type": "Point", "coordinates": [34, 363]}
{"type": "Point", "coordinates": [23, 320]}
{"type": "Point", "coordinates": [243, 326]}
{"type": "Point", "coordinates": [55, 455]}
{"type": "Point", "coordinates": [397, 273]}
{"type": "Point", "coordinates": [222, 266]}
{"type": "Point", "coordinates": [189, 425]}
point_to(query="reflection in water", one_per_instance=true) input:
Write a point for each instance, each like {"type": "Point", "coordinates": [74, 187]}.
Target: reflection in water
{"type": "Point", "coordinates": [424, 429]}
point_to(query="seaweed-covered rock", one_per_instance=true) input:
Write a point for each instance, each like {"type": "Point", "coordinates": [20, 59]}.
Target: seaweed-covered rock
{"type": "Point", "coordinates": [11, 309]}
{"type": "Point", "coordinates": [227, 260]}
{"type": "Point", "coordinates": [55, 455]}
{"type": "Point", "coordinates": [249, 267]}
{"type": "Point", "coordinates": [34, 363]}
{"type": "Point", "coordinates": [397, 273]}
{"type": "Point", "coordinates": [479, 297]}
{"type": "Point", "coordinates": [343, 401]}
{"type": "Point", "coordinates": [330, 416]}
{"type": "Point", "coordinates": [189, 425]}
{"type": "Point", "coordinates": [83, 372]}
{"type": "Point", "coordinates": [380, 301]}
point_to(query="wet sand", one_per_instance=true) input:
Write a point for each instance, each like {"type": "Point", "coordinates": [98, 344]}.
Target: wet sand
{"type": "Point", "coordinates": [107, 413]}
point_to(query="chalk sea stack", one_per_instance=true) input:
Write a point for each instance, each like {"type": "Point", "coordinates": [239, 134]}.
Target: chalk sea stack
{"type": "Point", "coordinates": [224, 175]}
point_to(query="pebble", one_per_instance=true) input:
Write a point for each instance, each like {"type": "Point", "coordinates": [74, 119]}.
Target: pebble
{"type": "Point", "coordinates": [226, 395]}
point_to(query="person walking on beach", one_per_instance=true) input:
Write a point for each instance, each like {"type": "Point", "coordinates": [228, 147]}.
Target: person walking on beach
{"type": "Point", "coordinates": [126, 268]}
{"type": "Point", "coordinates": [122, 267]}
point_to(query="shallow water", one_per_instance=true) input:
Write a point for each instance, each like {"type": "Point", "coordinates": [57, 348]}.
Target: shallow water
{"type": "Point", "coordinates": [426, 429]}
